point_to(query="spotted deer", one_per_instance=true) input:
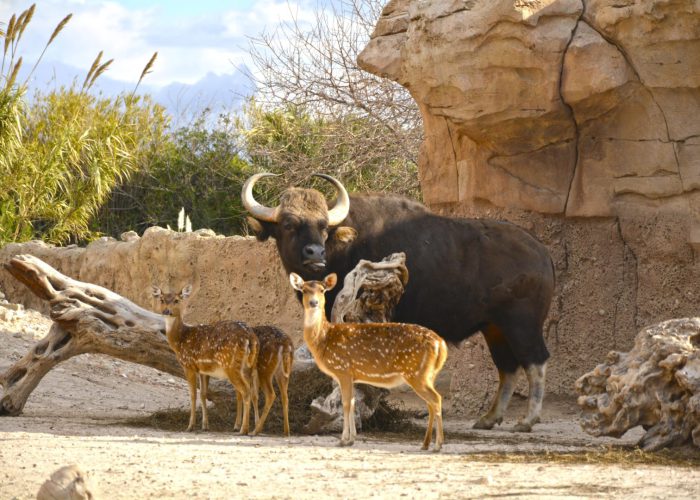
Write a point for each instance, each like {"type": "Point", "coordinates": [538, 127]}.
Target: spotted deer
{"type": "Point", "coordinates": [379, 354]}
{"type": "Point", "coordinates": [275, 359]}
{"type": "Point", "coordinates": [227, 350]}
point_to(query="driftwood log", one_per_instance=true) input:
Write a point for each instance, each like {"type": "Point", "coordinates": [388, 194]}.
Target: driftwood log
{"type": "Point", "coordinates": [655, 385]}
{"type": "Point", "coordinates": [87, 319]}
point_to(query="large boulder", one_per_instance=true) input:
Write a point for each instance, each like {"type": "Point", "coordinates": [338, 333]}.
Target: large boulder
{"type": "Point", "coordinates": [556, 106]}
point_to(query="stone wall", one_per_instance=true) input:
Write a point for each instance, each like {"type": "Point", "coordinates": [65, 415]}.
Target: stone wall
{"type": "Point", "coordinates": [232, 277]}
{"type": "Point", "coordinates": [579, 121]}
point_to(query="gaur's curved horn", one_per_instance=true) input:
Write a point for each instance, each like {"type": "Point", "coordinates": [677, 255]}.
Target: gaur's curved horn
{"type": "Point", "coordinates": [337, 214]}
{"type": "Point", "coordinates": [255, 209]}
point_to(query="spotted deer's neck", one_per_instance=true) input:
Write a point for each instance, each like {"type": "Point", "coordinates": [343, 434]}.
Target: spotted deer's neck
{"type": "Point", "coordinates": [315, 326]}
{"type": "Point", "coordinates": [173, 330]}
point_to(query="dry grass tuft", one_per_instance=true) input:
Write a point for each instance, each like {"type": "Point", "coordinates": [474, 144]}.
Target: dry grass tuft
{"type": "Point", "coordinates": [303, 388]}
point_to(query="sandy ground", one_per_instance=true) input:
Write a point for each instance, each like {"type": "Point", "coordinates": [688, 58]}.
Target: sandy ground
{"type": "Point", "coordinates": [78, 412]}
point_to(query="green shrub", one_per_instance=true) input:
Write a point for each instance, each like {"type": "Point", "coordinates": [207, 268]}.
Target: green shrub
{"type": "Point", "coordinates": [199, 167]}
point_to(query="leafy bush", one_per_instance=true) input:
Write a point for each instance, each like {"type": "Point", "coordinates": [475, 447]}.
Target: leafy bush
{"type": "Point", "coordinates": [295, 143]}
{"type": "Point", "coordinates": [61, 155]}
{"type": "Point", "coordinates": [199, 168]}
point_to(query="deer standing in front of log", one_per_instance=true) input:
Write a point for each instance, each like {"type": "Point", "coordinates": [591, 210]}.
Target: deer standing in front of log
{"type": "Point", "coordinates": [379, 354]}
{"type": "Point", "coordinates": [275, 359]}
{"type": "Point", "coordinates": [227, 350]}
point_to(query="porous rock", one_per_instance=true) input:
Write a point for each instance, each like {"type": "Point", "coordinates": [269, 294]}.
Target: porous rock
{"type": "Point", "coordinates": [67, 483]}
{"type": "Point", "coordinates": [655, 385]}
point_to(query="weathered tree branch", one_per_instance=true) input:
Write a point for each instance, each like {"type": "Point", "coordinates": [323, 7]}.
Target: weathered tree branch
{"type": "Point", "coordinates": [87, 319]}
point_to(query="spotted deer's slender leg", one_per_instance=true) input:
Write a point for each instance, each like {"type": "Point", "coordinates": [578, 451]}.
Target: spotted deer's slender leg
{"type": "Point", "coordinates": [203, 388]}
{"type": "Point", "coordinates": [347, 395]}
{"type": "Point", "coordinates": [269, 392]}
{"type": "Point", "coordinates": [191, 377]}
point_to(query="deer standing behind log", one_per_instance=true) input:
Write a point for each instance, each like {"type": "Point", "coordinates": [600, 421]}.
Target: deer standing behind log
{"type": "Point", "coordinates": [379, 354]}
{"type": "Point", "coordinates": [227, 350]}
{"type": "Point", "coordinates": [275, 359]}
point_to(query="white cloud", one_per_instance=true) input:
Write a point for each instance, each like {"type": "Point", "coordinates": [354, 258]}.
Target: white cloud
{"type": "Point", "coordinates": [188, 46]}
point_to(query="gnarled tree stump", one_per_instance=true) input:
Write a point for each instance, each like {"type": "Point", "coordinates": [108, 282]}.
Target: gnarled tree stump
{"type": "Point", "coordinates": [371, 291]}
{"type": "Point", "coordinates": [655, 385]}
{"type": "Point", "coordinates": [87, 319]}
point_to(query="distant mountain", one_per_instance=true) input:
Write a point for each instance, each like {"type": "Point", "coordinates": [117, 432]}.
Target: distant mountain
{"type": "Point", "coordinates": [220, 93]}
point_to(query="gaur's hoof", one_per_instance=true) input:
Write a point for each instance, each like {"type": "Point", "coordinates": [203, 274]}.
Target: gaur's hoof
{"type": "Point", "coordinates": [344, 443]}
{"type": "Point", "coordinates": [522, 427]}
{"type": "Point", "coordinates": [486, 424]}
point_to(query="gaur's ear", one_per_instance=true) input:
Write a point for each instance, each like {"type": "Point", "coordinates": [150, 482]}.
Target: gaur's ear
{"type": "Point", "coordinates": [296, 281]}
{"type": "Point", "coordinates": [186, 291]}
{"type": "Point", "coordinates": [345, 234]}
{"type": "Point", "coordinates": [262, 230]}
{"type": "Point", "coordinates": [330, 281]}
{"type": "Point", "coordinates": [155, 291]}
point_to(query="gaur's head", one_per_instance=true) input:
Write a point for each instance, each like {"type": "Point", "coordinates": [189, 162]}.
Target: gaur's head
{"type": "Point", "coordinates": [302, 224]}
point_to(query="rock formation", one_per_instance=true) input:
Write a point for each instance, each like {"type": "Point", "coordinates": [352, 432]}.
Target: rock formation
{"type": "Point", "coordinates": [557, 106]}
{"type": "Point", "coordinates": [655, 385]}
{"type": "Point", "coordinates": [576, 119]}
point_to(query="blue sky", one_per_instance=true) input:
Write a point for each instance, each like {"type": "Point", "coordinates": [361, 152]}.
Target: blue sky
{"type": "Point", "coordinates": [193, 37]}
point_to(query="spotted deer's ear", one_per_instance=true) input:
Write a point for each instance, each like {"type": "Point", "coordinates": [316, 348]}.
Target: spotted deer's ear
{"type": "Point", "coordinates": [330, 281]}
{"type": "Point", "coordinates": [155, 291]}
{"type": "Point", "coordinates": [296, 281]}
{"type": "Point", "coordinates": [186, 291]}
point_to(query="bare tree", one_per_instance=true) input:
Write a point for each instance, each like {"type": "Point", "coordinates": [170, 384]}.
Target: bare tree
{"type": "Point", "coordinates": [349, 123]}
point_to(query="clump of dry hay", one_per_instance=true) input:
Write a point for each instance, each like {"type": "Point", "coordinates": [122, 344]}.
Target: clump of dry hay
{"type": "Point", "coordinates": [304, 386]}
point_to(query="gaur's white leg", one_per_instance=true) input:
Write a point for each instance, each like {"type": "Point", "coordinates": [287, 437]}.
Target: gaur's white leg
{"type": "Point", "coordinates": [535, 378]}
{"type": "Point", "coordinates": [506, 386]}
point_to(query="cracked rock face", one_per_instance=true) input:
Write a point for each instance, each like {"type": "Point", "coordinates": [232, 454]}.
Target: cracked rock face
{"type": "Point", "coordinates": [582, 108]}
{"type": "Point", "coordinates": [655, 385]}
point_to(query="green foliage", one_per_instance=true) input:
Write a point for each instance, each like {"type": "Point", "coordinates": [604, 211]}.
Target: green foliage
{"type": "Point", "coordinates": [73, 149]}
{"type": "Point", "coordinates": [199, 168]}
{"type": "Point", "coordinates": [296, 143]}
{"type": "Point", "coordinates": [61, 156]}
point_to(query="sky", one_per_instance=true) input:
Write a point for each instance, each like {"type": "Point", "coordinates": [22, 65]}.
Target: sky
{"type": "Point", "coordinates": [200, 43]}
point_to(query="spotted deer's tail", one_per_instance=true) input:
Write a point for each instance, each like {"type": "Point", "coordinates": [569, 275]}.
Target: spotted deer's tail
{"type": "Point", "coordinates": [287, 354]}
{"type": "Point", "coordinates": [253, 348]}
